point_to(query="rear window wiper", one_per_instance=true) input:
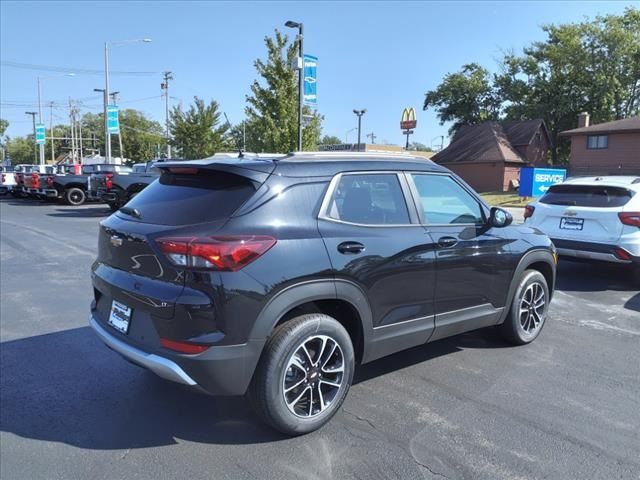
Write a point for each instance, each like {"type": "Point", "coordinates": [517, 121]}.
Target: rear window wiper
{"type": "Point", "coordinates": [134, 212]}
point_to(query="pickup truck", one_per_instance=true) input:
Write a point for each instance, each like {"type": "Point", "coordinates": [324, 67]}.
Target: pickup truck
{"type": "Point", "coordinates": [30, 178]}
{"type": "Point", "coordinates": [117, 188]}
{"type": "Point", "coordinates": [7, 180]}
{"type": "Point", "coordinates": [73, 188]}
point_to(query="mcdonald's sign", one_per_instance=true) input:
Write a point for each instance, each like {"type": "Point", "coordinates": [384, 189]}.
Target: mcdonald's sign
{"type": "Point", "coordinates": [408, 120]}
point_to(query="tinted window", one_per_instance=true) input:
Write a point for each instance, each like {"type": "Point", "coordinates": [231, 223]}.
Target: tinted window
{"type": "Point", "coordinates": [373, 199]}
{"type": "Point", "coordinates": [444, 201]}
{"type": "Point", "coordinates": [587, 196]}
{"type": "Point", "coordinates": [597, 141]}
{"type": "Point", "coordinates": [186, 199]}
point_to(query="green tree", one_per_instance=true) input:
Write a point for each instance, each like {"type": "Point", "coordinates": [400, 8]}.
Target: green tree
{"type": "Point", "coordinates": [4, 124]}
{"type": "Point", "coordinates": [141, 137]}
{"type": "Point", "coordinates": [465, 97]}
{"type": "Point", "coordinates": [592, 66]}
{"type": "Point", "coordinates": [419, 147]}
{"type": "Point", "coordinates": [330, 140]}
{"type": "Point", "coordinates": [198, 133]}
{"type": "Point", "coordinates": [272, 111]}
{"type": "Point", "coordinates": [21, 150]}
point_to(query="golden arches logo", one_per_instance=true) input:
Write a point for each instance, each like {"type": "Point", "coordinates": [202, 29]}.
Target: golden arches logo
{"type": "Point", "coordinates": [408, 120]}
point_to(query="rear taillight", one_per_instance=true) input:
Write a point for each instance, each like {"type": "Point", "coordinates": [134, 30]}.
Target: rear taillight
{"type": "Point", "coordinates": [622, 254]}
{"type": "Point", "coordinates": [35, 180]}
{"type": "Point", "coordinates": [630, 218]}
{"type": "Point", "coordinates": [4, 178]}
{"type": "Point", "coordinates": [18, 178]}
{"type": "Point", "coordinates": [215, 253]}
{"type": "Point", "coordinates": [50, 179]}
{"type": "Point", "coordinates": [183, 347]}
{"type": "Point", "coordinates": [108, 181]}
{"type": "Point", "coordinates": [528, 211]}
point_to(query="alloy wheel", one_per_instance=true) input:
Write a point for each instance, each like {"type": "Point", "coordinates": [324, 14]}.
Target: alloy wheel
{"type": "Point", "coordinates": [313, 376]}
{"type": "Point", "coordinates": [532, 307]}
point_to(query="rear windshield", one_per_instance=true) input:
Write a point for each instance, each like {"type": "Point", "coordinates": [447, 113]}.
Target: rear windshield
{"type": "Point", "coordinates": [587, 196]}
{"type": "Point", "coordinates": [180, 199]}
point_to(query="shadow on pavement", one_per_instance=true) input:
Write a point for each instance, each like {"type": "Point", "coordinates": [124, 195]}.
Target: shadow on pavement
{"type": "Point", "coordinates": [633, 303]}
{"type": "Point", "coordinates": [75, 212]}
{"type": "Point", "coordinates": [579, 276]}
{"type": "Point", "coordinates": [68, 387]}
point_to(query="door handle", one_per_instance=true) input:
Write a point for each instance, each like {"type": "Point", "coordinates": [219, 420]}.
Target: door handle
{"type": "Point", "coordinates": [447, 242]}
{"type": "Point", "coordinates": [350, 247]}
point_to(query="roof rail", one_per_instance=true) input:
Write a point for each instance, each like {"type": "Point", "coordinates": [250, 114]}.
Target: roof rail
{"type": "Point", "coordinates": [352, 154]}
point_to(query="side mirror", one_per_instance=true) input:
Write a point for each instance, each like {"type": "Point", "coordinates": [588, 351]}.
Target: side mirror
{"type": "Point", "coordinates": [499, 217]}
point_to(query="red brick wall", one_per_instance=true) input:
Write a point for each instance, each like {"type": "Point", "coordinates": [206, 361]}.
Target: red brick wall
{"type": "Point", "coordinates": [621, 156]}
{"type": "Point", "coordinates": [484, 177]}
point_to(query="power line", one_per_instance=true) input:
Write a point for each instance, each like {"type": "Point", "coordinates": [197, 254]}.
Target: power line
{"type": "Point", "coordinates": [84, 71]}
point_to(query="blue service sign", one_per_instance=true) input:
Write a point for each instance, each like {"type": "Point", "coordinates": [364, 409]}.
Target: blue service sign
{"type": "Point", "coordinates": [535, 182]}
{"type": "Point", "coordinates": [40, 134]}
{"type": "Point", "coordinates": [113, 124]}
{"type": "Point", "coordinates": [310, 80]}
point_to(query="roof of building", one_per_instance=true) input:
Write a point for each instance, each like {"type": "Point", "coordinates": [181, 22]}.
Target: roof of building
{"type": "Point", "coordinates": [626, 125]}
{"type": "Point", "coordinates": [490, 142]}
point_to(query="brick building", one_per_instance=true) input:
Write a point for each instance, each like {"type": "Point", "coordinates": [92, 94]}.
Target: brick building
{"type": "Point", "coordinates": [489, 156]}
{"type": "Point", "coordinates": [605, 148]}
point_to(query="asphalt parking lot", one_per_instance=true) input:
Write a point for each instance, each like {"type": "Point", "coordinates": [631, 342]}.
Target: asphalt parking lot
{"type": "Point", "coordinates": [566, 406]}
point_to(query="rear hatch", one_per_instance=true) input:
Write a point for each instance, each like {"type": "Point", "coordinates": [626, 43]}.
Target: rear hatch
{"type": "Point", "coordinates": [582, 212]}
{"type": "Point", "coordinates": [188, 200]}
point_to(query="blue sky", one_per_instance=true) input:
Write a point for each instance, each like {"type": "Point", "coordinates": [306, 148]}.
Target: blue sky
{"type": "Point", "coordinates": [382, 56]}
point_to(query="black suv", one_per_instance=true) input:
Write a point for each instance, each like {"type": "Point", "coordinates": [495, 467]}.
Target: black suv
{"type": "Point", "coordinates": [276, 277]}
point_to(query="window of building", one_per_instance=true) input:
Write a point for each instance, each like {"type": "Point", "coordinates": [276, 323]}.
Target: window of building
{"type": "Point", "coordinates": [596, 142]}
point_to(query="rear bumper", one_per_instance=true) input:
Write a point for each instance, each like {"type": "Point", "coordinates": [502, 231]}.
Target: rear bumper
{"type": "Point", "coordinates": [592, 251]}
{"type": "Point", "coordinates": [48, 192]}
{"type": "Point", "coordinates": [108, 197]}
{"type": "Point", "coordinates": [220, 370]}
{"type": "Point", "coordinates": [4, 189]}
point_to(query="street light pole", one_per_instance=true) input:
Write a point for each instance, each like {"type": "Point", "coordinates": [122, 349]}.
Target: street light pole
{"type": "Point", "coordinates": [359, 113]}
{"type": "Point", "coordinates": [107, 135]}
{"type": "Point", "coordinates": [300, 66]}
{"type": "Point", "coordinates": [165, 86]}
{"type": "Point", "coordinates": [33, 117]}
{"type": "Point", "coordinates": [41, 146]}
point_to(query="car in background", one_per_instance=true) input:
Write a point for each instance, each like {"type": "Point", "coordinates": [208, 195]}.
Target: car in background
{"type": "Point", "coordinates": [277, 276]}
{"type": "Point", "coordinates": [32, 179]}
{"type": "Point", "coordinates": [73, 188]}
{"type": "Point", "coordinates": [594, 218]}
{"type": "Point", "coordinates": [7, 179]}
{"type": "Point", "coordinates": [118, 187]}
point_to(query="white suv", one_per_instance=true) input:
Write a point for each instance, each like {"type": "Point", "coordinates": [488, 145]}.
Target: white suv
{"type": "Point", "coordinates": [596, 218]}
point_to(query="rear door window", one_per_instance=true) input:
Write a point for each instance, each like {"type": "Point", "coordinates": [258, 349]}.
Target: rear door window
{"type": "Point", "coordinates": [185, 199]}
{"type": "Point", "coordinates": [369, 199]}
{"type": "Point", "coordinates": [600, 196]}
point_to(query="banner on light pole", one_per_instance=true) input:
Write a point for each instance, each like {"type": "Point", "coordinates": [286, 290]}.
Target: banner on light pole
{"type": "Point", "coordinates": [310, 80]}
{"type": "Point", "coordinates": [40, 134]}
{"type": "Point", "coordinates": [113, 123]}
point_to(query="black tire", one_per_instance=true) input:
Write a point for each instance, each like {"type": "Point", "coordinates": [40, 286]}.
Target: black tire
{"type": "Point", "coordinates": [267, 390]}
{"type": "Point", "coordinates": [520, 325]}
{"type": "Point", "coordinates": [74, 196]}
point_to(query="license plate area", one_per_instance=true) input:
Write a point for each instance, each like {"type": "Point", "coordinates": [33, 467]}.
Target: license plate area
{"type": "Point", "coordinates": [571, 223]}
{"type": "Point", "coordinates": [120, 316]}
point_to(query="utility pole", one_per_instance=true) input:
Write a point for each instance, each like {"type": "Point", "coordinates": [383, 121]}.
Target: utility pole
{"type": "Point", "coordinates": [372, 136]}
{"type": "Point", "coordinates": [40, 146]}
{"type": "Point", "coordinates": [35, 150]}
{"type": "Point", "coordinates": [165, 86]}
{"type": "Point", "coordinates": [300, 67]}
{"type": "Point", "coordinates": [114, 100]}
{"type": "Point", "coordinates": [105, 101]}
{"type": "Point", "coordinates": [359, 113]}
{"type": "Point", "coordinates": [73, 131]}
{"type": "Point", "coordinates": [53, 154]}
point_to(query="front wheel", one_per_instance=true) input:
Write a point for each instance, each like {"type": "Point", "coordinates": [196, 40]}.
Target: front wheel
{"type": "Point", "coordinates": [75, 196]}
{"type": "Point", "coordinates": [528, 309]}
{"type": "Point", "coordinates": [304, 374]}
